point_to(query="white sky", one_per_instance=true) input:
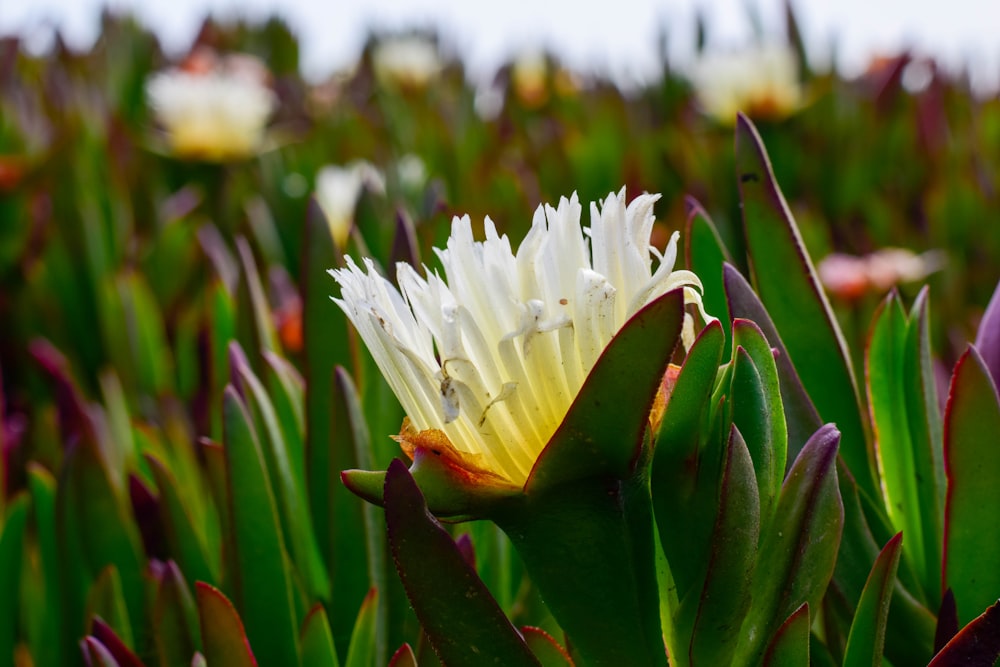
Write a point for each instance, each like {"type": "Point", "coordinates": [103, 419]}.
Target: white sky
{"type": "Point", "coordinates": [617, 36]}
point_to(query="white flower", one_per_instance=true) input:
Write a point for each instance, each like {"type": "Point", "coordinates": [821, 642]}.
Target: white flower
{"type": "Point", "coordinates": [410, 61]}
{"type": "Point", "coordinates": [337, 193]}
{"type": "Point", "coordinates": [494, 352]}
{"type": "Point", "coordinates": [215, 115]}
{"type": "Point", "coordinates": [762, 81]}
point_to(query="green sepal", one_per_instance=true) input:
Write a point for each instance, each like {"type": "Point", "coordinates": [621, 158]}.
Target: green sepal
{"type": "Point", "coordinates": [866, 640]}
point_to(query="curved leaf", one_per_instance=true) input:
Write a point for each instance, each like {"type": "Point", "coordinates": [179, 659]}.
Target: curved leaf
{"type": "Point", "coordinates": [225, 641]}
{"type": "Point", "coordinates": [798, 552]}
{"type": "Point", "coordinates": [361, 650]}
{"type": "Point", "coordinates": [122, 654]}
{"type": "Point", "coordinates": [975, 645]}
{"type": "Point", "coordinates": [602, 431]}
{"type": "Point", "coordinates": [403, 657]}
{"type": "Point", "coordinates": [867, 636]}
{"type": "Point", "coordinates": [725, 596]}
{"type": "Point", "coordinates": [11, 549]}
{"type": "Point", "coordinates": [785, 279]}
{"type": "Point", "coordinates": [972, 464]}
{"type": "Point", "coordinates": [705, 254]}
{"type": "Point", "coordinates": [175, 617]}
{"type": "Point", "coordinates": [261, 582]}
{"type": "Point", "coordinates": [546, 649]}
{"type": "Point", "coordinates": [789, 647]}
{"type": "Point", "coordinates": [462, 620]}
{"type": "Point", "coordinates": [317, 642]}
{"type": "Point", "coordinates": [801, 417]}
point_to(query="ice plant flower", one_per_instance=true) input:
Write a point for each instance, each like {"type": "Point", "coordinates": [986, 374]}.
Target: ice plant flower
{"type": "Point", "coordinates": [409, 61]}
{"type": "Point", "coordinates": [487, 357]}
{"type": "Point", "coordinates": [762, 82]}
{"type": "Point", "coordinates": [851, 277]}
{"type": "Point", "coordinates": [215, 111]}
{"type": "Point", "coordinates": [338, 190]}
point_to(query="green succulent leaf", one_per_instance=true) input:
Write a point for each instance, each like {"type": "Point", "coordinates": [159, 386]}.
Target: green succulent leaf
{"type": "Point", "coordinates": [462, 620]}
{"type": "Point", "coordinates": [798, 552]}
{"type": "Point", "coordinates": [972, 463]}
{"type": "Point", "coordinates": [602, 431]}
{"type": "Point", "coordinates": [185, 543]}
{"type": "Point", "coordinates": [789, 647]}
{"type": "Point", "coordinates": [800, 414]}
{"type": "Point", "coordinates": [683, 494]}
{"type": "Point", "coordinates": [254, 320]}
{"type": "Point", "coordinates": [49, 645]}
{"type": "Point", "coordinates": [785, 279]}
{"type": "Point", "coordinates": [177, 634]}
{"type": "Point", "coordinates": [97, 654]}
{"type": "Point", "coordinates": [546, 649]}
{"type": "Point", "coordinates": [978, 643]}
{"type": "Point", "coordinates": [106, 601]}
{"type": "Point", "coordinates": [262, 583]}
{"type": "Point", "coordinates": [12, 547]}
{"type": "Point", "coordinates": [866, 641]}
{"type": "Point", "coordinates": [316, 640]}
{"type": "Point", "coordinates": [116, 646]}
{"type": "Point", "coordinates": [403, 657]}
{"type": "Point", "coordinates": [705, 254]}
{"type": "Point", "coordinates": [362, 648]}
{"type": "Point", "coordinates": [725, 596]}
{"type": "Point", "coordinates": [225, 642]}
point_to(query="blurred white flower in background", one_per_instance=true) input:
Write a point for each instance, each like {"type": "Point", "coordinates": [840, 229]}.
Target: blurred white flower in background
{"type": "Point", "coordinates": [761, 81]}
{"type": "Point", "coordinates": [338, 190]}
{"type": "Point", "coordinates": [213, 109]}
{"type": "Point", "coordinates": [408, 61]}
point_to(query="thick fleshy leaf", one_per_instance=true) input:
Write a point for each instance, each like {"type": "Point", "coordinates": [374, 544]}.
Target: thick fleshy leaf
{"type": "Point", "coordinates": [288, 488]}
{"type": "Point", "coordinates": [798, 552]}
{"type": "Point", "coordinates": [768, 440]}
{"type": "Point", "coordinates": [884, 363]}
{"type": "Point", "coordinates": [988, 336]}
{"type": "Point", "coordinates": [602, 432]}
{"type": "Point", "coordinates": [972, 463]}
{"type": "Point", "coordinates": [262, 584]}
{"type": "Point", "coordinates": [462, 620]}
{"type": "Point", "coordinates": [789, 647]}
{"type": "Point", "coordinates": [975, 645]}
{"type": "Point", "coordinates": [403, 657]}
{"type": "Point", "coordinates": [785, 279]}
{"type": "Point", "coordinates": [867, 637]}
{"type": "Point", "coordinates": [186, 545]}
{"type": "Point", "coordinates": [927, 433]}
{"type": "Point", "coordinates": [706, 255]}
{"type": "Point", "coordinates": [910, 624]}
{"type": "Point", "coordinates": [546, 649]}
{"type": "Point", "coordinates": [12, 548]}
{"type": "Point", "coordinates": [361, 650]}
{"type": "Point", "coordinates": [225, 642]}
{"type": "Point", "coordinates": [95, 516]}
{"type": "Point", "coordinates": [947, 625]}
{"type": "Point", "coordinates": [122, 654]}
{"type": "Point", "coordinates": [725, 596]}
{"type": "Point", "coordinates": [42, 486]}
{"type": "Point", "coordinates": [255, 323]}
{"type": "Point", "coordinates": [801, 417]}
{"type": "Point", "coordinates": [97, 654]}
{"type": "Point", "coordinates": [105, 600]}
{"type": "Point", "coordinates": [683, 500]}
{"type": "Point", "coordinates": [316, 640]}
{"type": "Point", "coordinates": [175, 617]}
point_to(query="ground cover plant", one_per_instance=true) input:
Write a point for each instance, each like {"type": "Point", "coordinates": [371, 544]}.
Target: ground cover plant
{"type": "Point", "coordinates": [704, 378]}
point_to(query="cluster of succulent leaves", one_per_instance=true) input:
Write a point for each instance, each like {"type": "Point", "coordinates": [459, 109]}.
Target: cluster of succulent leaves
{"type": "Point", "coordinates": [179, 397]}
